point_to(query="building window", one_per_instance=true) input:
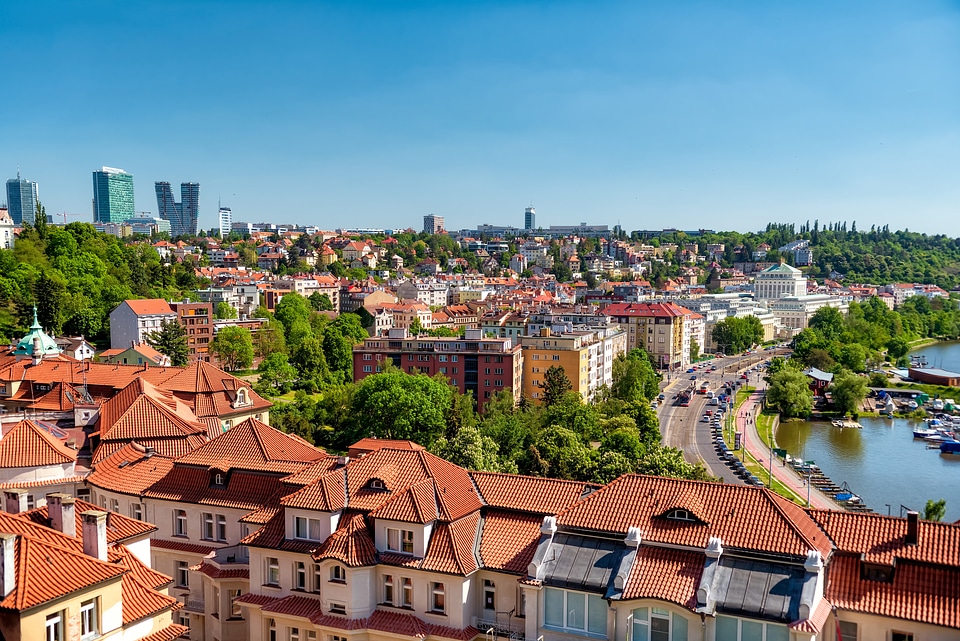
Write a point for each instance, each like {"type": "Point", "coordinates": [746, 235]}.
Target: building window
{"type": "Point", "coordinates": [241, 397]}
{"type": "Point", "coordinates": [180, 523]}
{"type": "Point", "coordinates": [338, 608]}
{"type": "Point", "coordinates": [221, 527]}
{"type": "Point", "coordinates": [338, 574]}
{"type": "Point", "coordinates": [368, 357]}
{"type": "Point", "coordinates": [136, 511]}
{"type": "Point", "coordinates": [400, 541]}
{"type": "Point", "coordinates": [489, 595]}
{"type": "Point", "coordinates": [236, 612]}
{"type": "Point", "coordinates": [54, 628]}
{"type": "Point", "coordinates": [522, 601]}
{"type": "Point", "coordinates": [307, 528]}
{"type": "Point", "coordinates": [273, 571]}
{"type": "Point", "coordinates": [407, 595]}
{"type": "Point", "coordinates": [746, 630]}
{"type": "Point", "coordinates": [293, 634]}
{"type": "Point", "coordinates": [388, 589]}
{"type": "Point", "coordinates": [848, 630]}
{"type": "Point", "coordinates": [207, 529]}
{"type": "Point", "coordinates": [300, 576]}
{"type": "Point", "coordinates": [900, 636]}
{"type": "Point", "coordinates": [271, 630]}
{"type": "Point", "coordinates": [437, 600]}
{"type": "Point", "coordinates": [368, 368]}
{"type": "Point", "coordinates": [556, 357]}
{"type": "Point", "coordinates": [575, 612]}
{"type": "Point", "coordinates": [183, 574]}
{"type": "Point", "coordinates": [218, 479]}
{"type": "Point", "coordinates": [89, 619]}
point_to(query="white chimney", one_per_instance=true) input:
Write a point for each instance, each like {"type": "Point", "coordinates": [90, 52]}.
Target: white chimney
{"type": "Point", "coordinates": [15, 501]}
{"type": "Point", "coordinates": [63, 513]}
{"type": "Point", "coordinates": [95, 534]}
{"type": "Point", "coordinates": [8, 554]}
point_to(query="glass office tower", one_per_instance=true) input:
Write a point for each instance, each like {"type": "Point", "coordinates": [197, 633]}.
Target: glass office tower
{"type": "Point", "coordinates": [22, 198]}
{"type": "Point", "coordinates": [112, 195]}
{"type": "Point", "coordinates": [182, 215]}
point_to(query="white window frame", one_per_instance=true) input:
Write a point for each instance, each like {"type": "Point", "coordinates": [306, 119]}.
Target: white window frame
{"type": "Point", "coordinates": [206, 526]}
{"type": "Point", "coordinates": [180, 523]}
{"type": "Point", "coordinates": [567, 626]}
{"type": "Point", "coordinates": [438, 598]}
{"type": "Point", "coordinates": [271, 576]}
{"type": "Point", "coordinates": [136, 511]}
{"type": "Point", "coordinates": [300, 576]}
{"type": "Point", "coordinates": [400, 541]}
{"type": "Point", "coordinates": [53, 630]}
{"type": "Point", "coordinates": [338, 573]}
{"type": "Point", "coordinates": [306, 528]}
{"type": "Point", "coordinates": [406, 592]}
{"type": "Point", "coordinates": [89, 619]}
{"type": "Point", "coordinates": [183, 574]}
{"type": "Point", "coordinates": [221, 527]}
{"type": "Point", "coordinates": [489, 595]}
{"type": "Point", "coordinates": [236, 612]}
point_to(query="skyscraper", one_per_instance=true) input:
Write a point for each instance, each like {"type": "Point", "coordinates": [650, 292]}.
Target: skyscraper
{"type": "Point", "coordinates": [182, 215]}
{"type": "Point", "coordinates": [226, 220]}
{"type": "Point", "coordinates": [529, 218]}
{"type": "Point", "coordinates": [22, 198]}
{"type": "Point", "coordinates": [112, 195]}
{"type": "Point", "coordinates": [432, 224]}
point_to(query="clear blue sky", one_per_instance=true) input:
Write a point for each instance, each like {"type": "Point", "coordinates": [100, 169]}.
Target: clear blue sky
{"type": "Point", "coordinates": [723, 115]}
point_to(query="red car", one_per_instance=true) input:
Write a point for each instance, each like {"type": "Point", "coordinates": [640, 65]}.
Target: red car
{"type": "Point", "coordinates": [744, 377]}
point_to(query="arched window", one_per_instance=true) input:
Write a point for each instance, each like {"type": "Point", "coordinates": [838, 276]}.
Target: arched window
{"type": "Point", "coordinates": [241, 396]}
{"type": "Point", "coordinates": [218, 479]}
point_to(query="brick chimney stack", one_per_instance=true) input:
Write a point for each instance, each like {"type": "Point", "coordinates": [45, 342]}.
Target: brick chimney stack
{"type": "Point", "coordinates": [63, 513]}
{"type": "Point", "coordinates": [95, 534]}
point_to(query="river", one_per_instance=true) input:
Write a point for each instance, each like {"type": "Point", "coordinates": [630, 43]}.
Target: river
{"type": "Point", "coordinates": [883, 463]}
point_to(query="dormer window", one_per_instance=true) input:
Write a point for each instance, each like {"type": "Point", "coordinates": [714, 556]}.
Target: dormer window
{"type": "Point", "coordinates": [680, 514]}
{"type": "Point", "coordinates": [242, 398]}
{"type": "Point", "coordinates": [376, 484]}
{"type": "Point", "coordinates": [218, 479]}
{"type": "Point", "coordinates": [399, 540]}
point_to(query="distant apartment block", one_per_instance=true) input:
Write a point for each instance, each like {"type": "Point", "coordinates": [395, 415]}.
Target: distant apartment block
{"type": "Point", "coordinates": [22, 198]}
{"type": "Point", "coordinates": [132, 322]}
{"type": "Point", "coordinates": [529, 218]}
{"type": "Point", "coordinates": [475, 364]}
{"type": "Point", "coordinates": [664, 330]}
{"type": "Point", "coordinates": [112, 195]}
{"type": "Point", "coordinates": [586, 357]}
{"type": "Point", "coordinates": [225, 218]}
{"type": "Point", "coordinates": [433, 224]}
{"type": "Point", "coordinates": [182, 215]}
{"type": "Point", "coordinates": [148, 225]}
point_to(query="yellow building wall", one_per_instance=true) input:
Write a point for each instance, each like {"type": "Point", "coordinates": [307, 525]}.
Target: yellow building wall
{"type": "Point", "coordinates": [573, 362]}
{"type": "Point", "coordinates": [110, 612]}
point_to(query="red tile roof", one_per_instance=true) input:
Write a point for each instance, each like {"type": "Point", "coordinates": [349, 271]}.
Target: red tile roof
{"type": "Point", "coordinates": [350, 543]}
{"type": "Point", "coordinates": [214, 572]}
{"type": "Point", "coordinates": [415, 504]}
{"type": "Point", "coordinates": [814, 624]}
{"type": "Point", "coordinates": [119, 528]}
{"type": "Point", "coordinates": [252, 445]}
{"type": "Point", "coordinates": [168, 633]}
{"type": "Point", "coordinates": [182, 546]}
{"type": "Point", "coordinates": [29, 445]}
{"type": "Point", "coordinates": [452, 547]}
{"type": "Point", "coordinates": [742, 517]}
{"type": "Point", "coordinates": [148, 306]}
{"type": "Point", "coordinates": [129, 470]}
{"type": "Point", "coordinates": [529, 493]}
{"type": "Point", "coordinates": [242, 490]}
{"type": "Point", "coordinates": [370, 444]}
{"type": "Point", "coordinates": [646, 310]}
{"type": "Point", "coordinates": [140, 596]}
{"type": "Point", "coordinates": [509, 540]}
{"type": "Point", "coordinates": [45, 571]}
{"type": "Point", "coordinates": [665, 574]}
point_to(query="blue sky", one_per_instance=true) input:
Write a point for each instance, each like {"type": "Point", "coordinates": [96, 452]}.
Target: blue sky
{"type": "Point", "coordinates": [722, 115]}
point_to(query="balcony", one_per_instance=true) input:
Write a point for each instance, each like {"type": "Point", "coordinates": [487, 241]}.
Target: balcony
{"type": "Point", "coordinates": [229, 557]}
{"type": "Point", "coordinates": [193, 605]}
{"type": "Point", "coordinates": [492, 629]}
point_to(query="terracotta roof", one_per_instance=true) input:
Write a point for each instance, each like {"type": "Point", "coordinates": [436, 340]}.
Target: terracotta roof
{"type": "Point", "coordinates": [350, 543]}
{"type": "Point", "coordinates": [665, 574]}
{"type": "Point", "coordinates": [252, 445]}
{"type": "Point", "coordinates": [140, 596]}
{"type": "Point", "coordinates": [65, 480]}
{"type": "Point", "coordinates": [648, 310]}
{"type": "Point", "coordinates": [529, 493]}
{"type": "Point", "coordinates": [61, 398]}
{"type": "Point", "coordinates": [415, 504]}
{"type": "Point", "coordinates": [214, 572]}
{"type": "Point", "coordinates": [129, 470]}
{"type": "Point", "coordinates": [29, 445]}
{"type": "Point", "coordinates": [918, 592]}
{"type": "Point", "coordinates": [168, 633]}
{"type": "Point", "coordinates": [148, 306]}
{"type": "Point", "coordinates": [295, 606]}
{"type": "Point", "coordinates": [45, 571]}
{"type": "Point", "coordinates": [882, 538]}
{"type": "Point", "coordinates": [367, 445]}
{"type": "Point", "coordinates": [452, 547]}
{"type": "Point", "coordinates": [814, 624]}
{"type": "Point", "coordinates": [509, 540]}
{"type": "Point", "coordinates": [312, 472]}
{"type": "Point", "coordinates": [243, 490]}
{"type": "Point", "coordinates": [120, 528]}
{"type": "Point", "coordinates": [742, 517]}
{"type": "Point", "coordinates": [182, 546]}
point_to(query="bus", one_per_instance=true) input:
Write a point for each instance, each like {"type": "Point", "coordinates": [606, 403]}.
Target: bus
{"type": "Point", "coordinates": [704, 387]}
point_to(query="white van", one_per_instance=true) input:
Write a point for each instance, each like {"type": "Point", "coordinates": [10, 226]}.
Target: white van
{"type": "Point", "coordinates": [709, 393]}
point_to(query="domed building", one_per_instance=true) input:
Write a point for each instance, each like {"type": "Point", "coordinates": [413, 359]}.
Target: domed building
{"type": "Point", "coordinates": [36, 343]}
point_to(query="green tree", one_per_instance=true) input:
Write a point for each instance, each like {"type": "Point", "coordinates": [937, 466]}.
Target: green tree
{"type": "Point", "coordinates": [225, 310]}
{"type": "Point", "coordinates": [853, 356]}
{"type": "Point", "coordinates": [470, 449]}
{"type": "Point", "coordinates": [171, 339]}
{"type": "Point", "coordinates": [789, 393]}
{"type": "Point", "coordinates": [935, 510]}
{"type": "Point", "coordinates": [416, 327]}
{"type": "Point", "coordinates": [50, 293]}
{"type": "Point", "coordinates": [897, 347]}
{"type": "Point", "coordinates": [269, 339]}
{"type": "Point", "coordinates": [277, 375]}
{"type": "Point", "coordinates": [321, 302]}
{"type": "Point", "coordinates": [555, 385]}
{"type": "Point", "coordinates": [394, 404]}
{"type": "Point", "coordinates": [828, 321]}
{"type": "Point", "coordinates": [694, 351]}
{"type": "Point", "coordinates": [734, 335]}
{"type": "Point", "coordinates": [558, 452]}
{"type": "Point", "coordinates": [634, 377]}
{"type": "Point", "coordinates": [233, 346]}
{"type": "Point", "coordinates": [292, 308]}
{"type": "Point", "coordinates": [848, 390]}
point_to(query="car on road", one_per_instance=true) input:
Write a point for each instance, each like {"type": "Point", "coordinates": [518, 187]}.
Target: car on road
{"type": "Point", "coordinates": [693, 378]}
{"type": "Point", "coordinates": [744, 377]}
{"type": "Point", "coordinates": [662, 397]}
{"type": "Point", "coordinates": [691, 371]}
{"type": "Point", "coordinates": [705, 419]}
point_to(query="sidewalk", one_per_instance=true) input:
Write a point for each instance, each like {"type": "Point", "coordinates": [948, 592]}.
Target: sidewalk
{"type": "Point", "coordinates": [752, 443]}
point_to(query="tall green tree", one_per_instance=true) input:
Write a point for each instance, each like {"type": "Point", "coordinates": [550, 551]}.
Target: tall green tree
{"type": "Point", "coordinates": [555, 385]}
{"type": "Point", "coordinates": [225, 310]}
{"type": "Point", "coordinates": [321, 302]}
{"type": "Point", "coordinates": [395, 404]}
{"type": "Point", "coordinates": [233, 346]}
{"type": "Point", "coordinates": [848, 391]}
{"type": "Point", "coordinates": [789, 393]}
{"type": "Point", "coordinates": [171, 339]}
{"type": "Point", "coordinates": [935, 510]}
{"type": "Point", "coordinates": [50, 292]}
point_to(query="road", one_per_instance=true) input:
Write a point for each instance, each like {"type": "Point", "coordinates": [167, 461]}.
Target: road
{"type": "Point", "coordinates": [682, 428]}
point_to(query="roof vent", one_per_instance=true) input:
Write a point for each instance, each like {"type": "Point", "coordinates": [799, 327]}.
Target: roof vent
{"type": "Point", "coordinates": [148, 452]}
{"type": "Point", "coordinates": [913, 528]}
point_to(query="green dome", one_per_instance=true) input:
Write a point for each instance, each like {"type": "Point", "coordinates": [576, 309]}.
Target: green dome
{"type": "Point", "coordinates": [48, 347]}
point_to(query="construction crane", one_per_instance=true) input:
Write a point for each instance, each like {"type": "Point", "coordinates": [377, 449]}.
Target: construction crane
{"type": "Point", "coordinates": [64, 216]}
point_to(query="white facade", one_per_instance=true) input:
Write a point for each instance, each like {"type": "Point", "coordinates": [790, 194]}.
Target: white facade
{"type": "Point", "coordinates": [129, 328]}
{"type": "Point", "coordinates": [779, 281]}
{"type": "Point", "coordinates": [225, 218]}
{"type": "Point", "coordinates": [794, 312]}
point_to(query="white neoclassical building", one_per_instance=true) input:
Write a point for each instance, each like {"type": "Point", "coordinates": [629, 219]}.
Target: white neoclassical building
{"type": "Point", "coordinates": [778, 281]}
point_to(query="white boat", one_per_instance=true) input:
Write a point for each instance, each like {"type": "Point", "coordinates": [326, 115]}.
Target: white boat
{"type": "Point", "coordinates": [912, 404]}
{"type": "Point", "coordinates": [924, 433]}
{"type": "Point", "coordinates": [938, 405]}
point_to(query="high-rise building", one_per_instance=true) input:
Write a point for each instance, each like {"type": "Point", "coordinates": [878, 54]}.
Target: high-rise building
{"type": "Point", "coordinates": [22, 198]}
{"type": "Point", "coordinates": [432, 224]}
{"type": "Point", "coordinates": [529, 218]}
{"type": "Point", "coordinates": [226, 221]}
{"type": "Point", "coordinates": [182, 215]}
{"type": "Point", "coordinates": [112, 195]}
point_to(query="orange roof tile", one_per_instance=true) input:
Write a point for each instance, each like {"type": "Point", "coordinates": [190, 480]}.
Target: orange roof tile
{"type": "Point", "coordinates": [742, 517]}
{"type": "Point", "coordinates": [529, 493]}
{"type": "Point", "coordinates": [370, 444]}
{"type": "Point", "coordinates": [452, 547]}
{"type": "Point", "coordinates": [252, 445]}
{"type": "Point", "coordinates": [129, 470]}
{"type": "Point", "coordinates": [665, 574]}
{"type": "Point", "coordinates": [120, 528]}
{"type": "Point", "coordinates": [509, 540]}
{"type": "Point", "coordinates": [168, 633]}
{"type": "Point", "coordinates": [350, 543]}
{"type": "Point", "coordinates": [149, 306]}
{"type": "Point", "coordinates": [45, 571]}
{"type": "Point", "coordinates": [416, 504]}
{"type": "Point", "coordinates": [29, 445]}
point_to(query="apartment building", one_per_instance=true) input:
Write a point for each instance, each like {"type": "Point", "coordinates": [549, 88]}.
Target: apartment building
{"type": "Point", "coordinates": [477, 364]}
{"type": "Point", "coordinates": [586, 357]}
{"type": "Point", "coordinates": [794, 312]}
{"type": "Point", "coordinates": [665, 330]}
{"type": "Point", "coordinates": [132, 321]}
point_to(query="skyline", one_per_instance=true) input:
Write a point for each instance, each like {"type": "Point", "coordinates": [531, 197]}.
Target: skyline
{"type": "Point", "coordinates": [648, 116]}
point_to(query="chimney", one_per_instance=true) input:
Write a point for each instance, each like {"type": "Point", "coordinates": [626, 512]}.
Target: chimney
{"type": "Point", "coordinates": [95, 534]}
{"type": "Point", "coordinates": [15, 501]}
{"type": "Point", "coordinates": [913, 528]}
{"type": "Point", "coordinates": [63, 513]}
{"type": "Point", "coordinates": [148, 452]}
{"type": "Point", "coordinates": [37, 354]}
{"type": "Point", "coordinates": [8, 554]}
